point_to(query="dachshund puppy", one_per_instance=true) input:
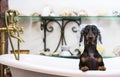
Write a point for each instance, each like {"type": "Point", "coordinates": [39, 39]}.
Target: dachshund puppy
{"type": "Point", "coordinates": [90, 59]}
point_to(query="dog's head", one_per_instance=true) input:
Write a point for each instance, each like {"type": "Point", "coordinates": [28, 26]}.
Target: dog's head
{"type": "Point", "coordinates": [90, 34]}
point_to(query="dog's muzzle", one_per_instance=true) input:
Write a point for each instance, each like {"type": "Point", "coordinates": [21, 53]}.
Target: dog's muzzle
{"type": "Point", "coordinates": [90, 38]}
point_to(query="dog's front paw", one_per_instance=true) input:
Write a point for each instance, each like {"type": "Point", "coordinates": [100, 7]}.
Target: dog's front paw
{"type": "Point", "coordinates": [85, 68]}
{"type": "Point", "coordinates": [102, 68]}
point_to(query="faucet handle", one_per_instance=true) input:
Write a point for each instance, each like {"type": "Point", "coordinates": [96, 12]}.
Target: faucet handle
{"type": "Point", "coordinates": [21, 30]}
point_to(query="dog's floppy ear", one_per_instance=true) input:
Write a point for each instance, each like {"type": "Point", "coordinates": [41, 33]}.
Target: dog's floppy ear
{"type": "Point", "coordinates": [82, 34]}
{"type": "Point", "coordinates": [99, 36]}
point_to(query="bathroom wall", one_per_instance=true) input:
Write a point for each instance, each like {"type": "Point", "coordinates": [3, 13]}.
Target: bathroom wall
{"type": "Point", "coordinates": [31, 6]}
{"type": "Point", "coordinates": [33, 35]}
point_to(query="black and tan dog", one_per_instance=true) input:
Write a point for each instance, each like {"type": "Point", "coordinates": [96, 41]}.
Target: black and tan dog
{"type": "Point", "coordinates": [90, 59]}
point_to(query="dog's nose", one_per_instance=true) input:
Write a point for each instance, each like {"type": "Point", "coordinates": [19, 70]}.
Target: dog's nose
{"type": "Point", "coordinates": [90, 38]}
{"type": "Point", "coordinates": [90, 35]}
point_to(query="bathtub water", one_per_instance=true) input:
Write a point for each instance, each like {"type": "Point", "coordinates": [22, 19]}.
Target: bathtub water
{"type": "Point", "coordinates": [43, 66]}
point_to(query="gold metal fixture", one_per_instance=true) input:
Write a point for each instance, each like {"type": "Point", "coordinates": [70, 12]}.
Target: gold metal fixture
{"type": "Point", "coordinates": [11, 22]}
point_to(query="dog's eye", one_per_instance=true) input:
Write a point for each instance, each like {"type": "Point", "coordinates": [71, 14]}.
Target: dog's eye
{"type": "Point", "coordinates": [86, 31]}
{"type": "Point", "coordinates": [94, 30]}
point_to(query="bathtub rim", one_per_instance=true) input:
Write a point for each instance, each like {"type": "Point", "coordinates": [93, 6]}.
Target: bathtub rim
{"type": "Point", "coordinates": [8, 62]}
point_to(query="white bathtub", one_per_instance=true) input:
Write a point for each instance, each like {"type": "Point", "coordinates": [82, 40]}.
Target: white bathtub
{"type": "Point", "coordinates": [43, 66]}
